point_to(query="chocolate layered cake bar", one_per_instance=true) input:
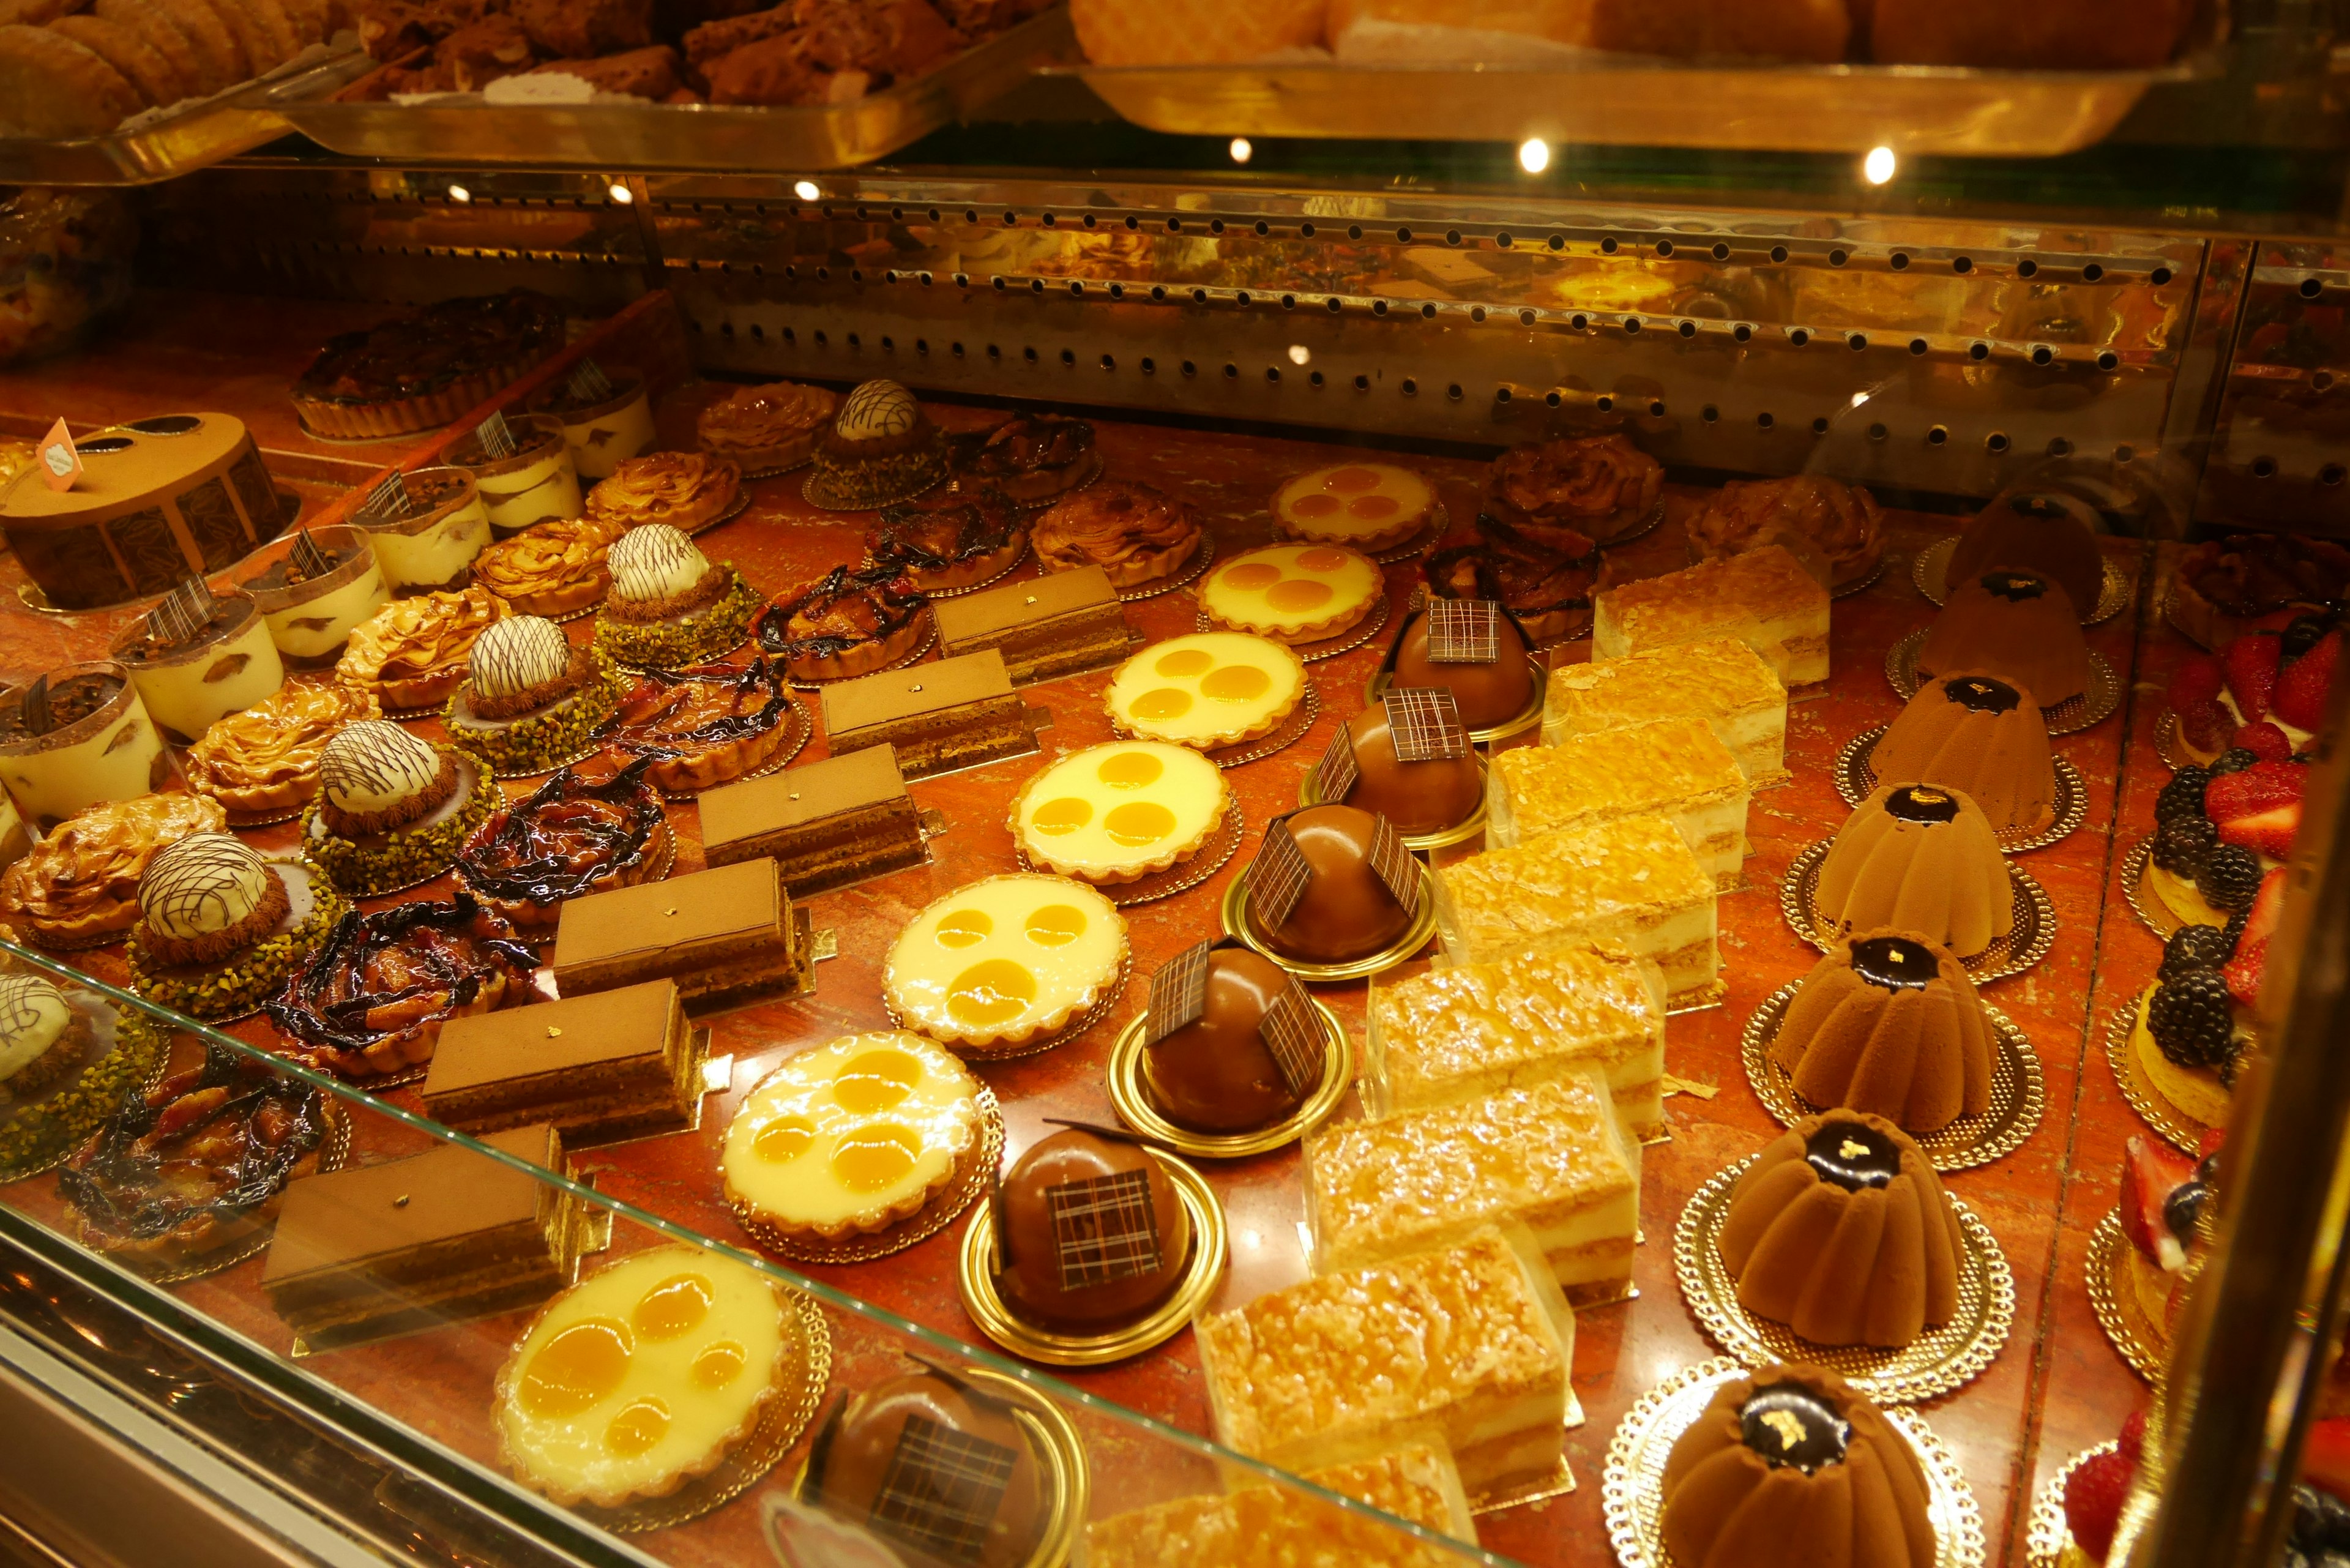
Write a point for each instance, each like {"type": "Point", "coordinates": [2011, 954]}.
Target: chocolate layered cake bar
{"type": "Point", "coordinates": [618, 1064]}
{"type": "Point", "coordinates": [956, 714]}
{"type": "Point", "coordinates": [723, 934]}
{"type": "Point", "coordinates": [1056, 626]}
{"type": "Point", "coordinates": [828, 825]}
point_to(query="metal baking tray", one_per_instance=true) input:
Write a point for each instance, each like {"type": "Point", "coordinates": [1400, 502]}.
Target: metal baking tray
{"type": "Point", "coordinates": [463, 129]}
{"type": "Point", "coordinates": [187, 138]}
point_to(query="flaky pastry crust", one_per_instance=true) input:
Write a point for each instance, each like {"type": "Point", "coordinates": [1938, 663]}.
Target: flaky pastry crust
{"type": "Point", "coordinates": [414, 650]}
{"type": "Point", "coordinates": [81, 882]}
{"type": "Point", "coordinates": [686, 489]}
{"type": "Point", "coordinates": [552, 569]}
{"type": "Point", "coordinates": [774, 426]}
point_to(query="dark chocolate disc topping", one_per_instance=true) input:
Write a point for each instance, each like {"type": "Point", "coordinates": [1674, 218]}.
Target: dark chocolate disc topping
{"type": "Point", "coordinates": [1981, 694]}
{"type": "Point", "coordinates": [1789, 1424]}
{"type": "Point", "coordinates": [1894, 963]}
{"type": "Point", "coordinates": [2014, 585]}
{"type": "Point", "coordinates": [1922, 803]}
{"type": "Point", "coordinates": [1853, 1156]}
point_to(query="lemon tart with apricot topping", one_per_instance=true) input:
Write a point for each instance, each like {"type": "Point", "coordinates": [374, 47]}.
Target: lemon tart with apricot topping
{"type": "Point", "coordinates": [1296, 593]}
{"type": "Point", "coordinates": [1211, 688]}
{"type": "Point", "coordinates": [1005, 961]}
{"type": "Point", "coordinates": [1120, 812]}
{"type": "Point", "coordinates": [1369, 505]}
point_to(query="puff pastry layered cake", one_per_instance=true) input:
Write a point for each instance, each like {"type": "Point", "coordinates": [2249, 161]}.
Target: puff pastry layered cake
{"type": "Point", "coordinates": [1006, 961]}
{"type": "Point", "coordinates": [1762, 598]}
{"type": "Point", "coordinates": [1721, 681]}
{"type": "Point", "coordinates": [1366, 506]}
{"type": "Point", "coordinates": [1208, 690]}
{"type": "Point", "coordinates": [1120, 812]}
{"type": "Point", "coordinates": [1263, 1526]}
{"type": "Point", "coordinates": [1674, 768]}
{"type": "Point", "coordinates": [265, 759]}
{"type": "Point", "coordinates": [1292, 593]}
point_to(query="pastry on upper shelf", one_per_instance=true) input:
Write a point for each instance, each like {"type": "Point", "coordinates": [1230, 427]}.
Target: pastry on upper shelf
{"type": "Point", "coordinates": [684, 490]}
{"type": "Point", "coordinates": [1006, 961]}
{"type": "Point", "coordinates": [1367, 505]}
{"type": "Point", "coordinates": [196, 1164]}
{"type": "Point", "coordinates": [1133, 532]}
{"type": "Point", "coordinates": [552, 569]}
{"type": "Point", "coordinates": [1788, 1466]}
{"type": "Point", "coordinates": [80, 885]}
{"type": "Point", "coordinates": [934, 1465]}
{"type": "Point", "coordinates": [1840, 1230]}
{"type": "Point", "coordinates": [1090, 1233]}
{"type": "Point", "coordinates": [43, 1037]}
{"type": "Point", "coordinates": [705, 725]}
{"type": "Point", "coordinates": [1333, 884]}
{"type": "Point", "coordinates": [265, 759]}
{"type": "Point", "coordinates": [1764, 597]}
{"type": "Point", "coordinates": [1121, 812]}
{"type": "Point", "coordinates": [950, 541]}
{"type": "Point", "coordinates": [2046, 532]}
{"type": "Point", "coordinates": [1543, 574]}
{"type": "Point", "coordinates": [766, 429]}
{"type": "Point", "coordinates": [1031, 459]}
{"type": "Point", "coordinates": [1840, 525]}
{"type": "Point", "coordinates": [393, 809]}
{"type": "Point", "coordinates": [1889, 1023]}
{"type": "Point", "coordinates": [668, 606]}
{"type": "Point", "coordinates": [2016, 625]}
{"type": "Point", "coordinates": [647, 1372]}
{"type": "Point", "coordinates": [576, 833]}
{"type": "Point", "coordinates": [1112, 34]}
{"type": "Point", "coordinates": [412, 653]}
{"type": "Point", "coordinates": [2060, 38]}
{"type": "Point", "coordinates": [424, 369]}
{"type": "Point", "coordinates": [1917, 859]}
{"type": "Point", "coordinates": [810, 56]}
{"type": "Point", "coordinates": [1601, 487]}
{"type": "Point", "coordinates": [1207, 689]}
{"type": "Point", "coordinates": [852, 1138]}
{"type": "Point", "coordinates": [882, 448]}
{"type": "Point", "coordinates": [1408, 758]}
{"type": "Point", "coordinates": [220, 928]}
{"type": "Point", "coordinates": [530, 697]}
{"type": "Point", "coordinates": [1231, 1042]}
{"type": "Point", "coordinates": [1983, 736]}
{"type": "Point", "coordinates": [2223, 586]}
{"type": "Point", "coordinates": [1291, 593]}
{"type": "Point", "coordinates": [850, 621]}
{"type": "Point", "coordinates": [369, 1001]}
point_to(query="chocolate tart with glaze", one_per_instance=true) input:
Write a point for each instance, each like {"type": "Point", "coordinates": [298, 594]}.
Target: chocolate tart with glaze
{"type": "Point", "coordinates": [531, 700]}
{"type": "Point", "coordinates": [1031, 459]}
{"type": "Point", "coordinates": [705, 726]}
{"type": "Point", "coordinates": [221, 928]}
{"type": "Point", "coordinates": [572, 835]}
{"type": "Point", "coordinates": [955, 541]}
{"type": "Point", "coordinates": [370, 1001]}
{"type": "Point", "coordinates": [850, 621]}
{"type": "Point", "coordinates": [411, 841]}
{"type": "Point", "coordinates": [423, 370]}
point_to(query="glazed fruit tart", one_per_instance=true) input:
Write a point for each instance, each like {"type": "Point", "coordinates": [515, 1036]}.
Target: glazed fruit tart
{"type": "Point", "coordinates": [768, 428]}
{"type": "Point", "coordinates": [417, 371]}
{"type": "Point", "coordinates": [573, 834]}
{"type": "Point", "coordinates": [847, 622]}
{"type": "Point", "coordinates": [950, 542]}
{"type": "Point", "coordinates": [704, 726]}
{"type": "Point", "coordinates": [685, 489]}
{"type": "Point", "coordinates": [1135, 534]}
{"type": "Point", "coordinates": [1029, 458]}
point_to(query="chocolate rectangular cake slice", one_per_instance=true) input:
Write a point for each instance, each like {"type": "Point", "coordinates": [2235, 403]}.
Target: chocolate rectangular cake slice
{"type": "Point", "coordinates": [617, 1063]}
{"type": "Point", "coordinates": [956, 714]}
{"type": "Point", "coordinates": [826, 826]}
{"type": "Point", "coordinates": [379, 1249]}
{"type": "Point", "coordinates": [724, 935]}
{"type": "Point", "coordinates": [1057, 625]}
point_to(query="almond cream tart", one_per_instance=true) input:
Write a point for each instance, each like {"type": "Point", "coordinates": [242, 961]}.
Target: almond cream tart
{"type": "Point", "coordinates": [676, 489]}
{"type": "Point", "coordinates": [1211, 688]}
{"type": "Point", "coordinates": [393, 809]}
{"type": "Point", "coordinates": [220, 928]}
{"type": "Point", "coordinates": [1121, 812]}
{"type": "Point", "coordinates": [1369, 505]}
{"type": "Point", "coordinates": [1006, 961]}
{"type": "Point", "coordinates": [644, 1376]}
{"type": "Point", "coordinates": [851, 1137]}
{"type": "Point", "coordinates": [668, 606]}
{"type": "Point", "coordinates": [1296, 593]}
{"type": "Point", "coordinates": [265, 759]}
{"type": "Point", "coordinates": [530, 699]}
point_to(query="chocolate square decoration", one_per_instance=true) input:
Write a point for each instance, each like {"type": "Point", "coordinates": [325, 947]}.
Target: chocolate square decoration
{"type": "Point", "coordinates": [388, 502]}
{"type": "Point", "coordinates": [941, 1491]}
{"type": "Point", "coordinates": [1426, 723]}
{"type": "Point", "coordinates": [493, 436]}
{"type": "Point", "coordinates": [33, 710]}
{"type": "Point", "coordinates": [183, 613]}
{"type": "Point", "coordinates": [1178, 994]}
{"type": "Point", "coordinates": [1335, 774]}
{"type": "Point", "coordinates": [1293, 1034]}
{"type": "Point", "coordinates": [308, 559]}
{"type": "Point", "coordinates": [588, 383]}
{"type": "Point", "coordinates": [1104, 1229]}
{"type": "Point", "coordinates": [1464, 631]}
{"type": "Point", "coordinates": [1396, 866]}
{"type": "Point", "coordinates": [1277, 877]}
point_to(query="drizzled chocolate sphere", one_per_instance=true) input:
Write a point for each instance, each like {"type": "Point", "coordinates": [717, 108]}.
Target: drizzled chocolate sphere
{"type": "Point", "coordinates": [963, 1480]}
{"type": "Point", "coordinates": [1487, 694]}
{"type": "Point", "coordinates": [1345, 912]}
{"type": "Point", "coordinates": [1216, 1074]}
{"type": "Point", "coordinates": [1095, 1233]}
{"type": "Point", "coordinates": [1426, 796]}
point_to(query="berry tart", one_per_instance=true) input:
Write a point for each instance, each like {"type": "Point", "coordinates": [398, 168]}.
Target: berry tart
{"type": "Point", "coordinates": [882, 448]}
{"type": "Point", "coordinates": [952, 542]}
{"type": "Point", "coordinates": [1543, 576]}
{"type": "Point", "coordinates": [2265, 692]}
{"type": "Point", "coordinates": [769, 428]}
{"type": "Point", "coordinates": [668, 606]}
{"type": "Point", "coordinates": [2165, 1198]}
{"type": "Point", "coordinates": [392, 809]}
{"type": "Point", "coordinates": [703, 726]}
{"type": "Point", "coordinates": [220, 928]}
{"type": "Point", "coordinates": [1032, 459]}
{"type": "Point", "coordinates": [2219, 830]}
{"type": "Point", "coordinates": [850, 621]}
{"type": "Point", "coordinates": [411, 653]}
{"type": "Point", "coordinates": [1133, 533]}
{"type": "Point", "coordinates": [2195, 1025]}
{"type": "Point", "coordinates": [531, 699]}
{"type": "Point", "coordinates": [79, 887]}
{"type": "Point", "coordinates": [2095, 1487]}
{"type": "Point", "coordinates": [264, 762]}
{"type": "Point", "coordinates": [2226, 585]}
{"type": "Point", "coordinates": [576, 833]}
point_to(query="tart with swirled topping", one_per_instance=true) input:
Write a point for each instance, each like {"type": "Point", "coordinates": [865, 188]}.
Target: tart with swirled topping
{"type": "Point", "coordinates": [685, 489]}
{"type": "Point", "coordinates": [265, 759]}
{"type": "Point", "coordinates": [575, 833]}
{"type": "Point", "coordinates": [1133, 533]}
{"type": "Point", "coordinates": [80, 885]}
{"type": "Point", "coordinates": [702, 727]}
{"type": "Point", "coordinates": [850, 621]}
{"type": "Point", "coordinates": [768, 428]}
{"type": "Point", "coordinates": [411, 653]}
{"type": "Point", "coordinates": [219, 927]}
{"type": "Point", "coordinates": [552, 568]}
{"type": "Point", "coordinates": [952, 542]}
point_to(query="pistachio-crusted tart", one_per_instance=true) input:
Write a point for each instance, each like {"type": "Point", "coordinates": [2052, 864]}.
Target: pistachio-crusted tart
{"type": "Point", "coordinates": [882, 448]}
{"type": "Point", "coordinates": [265, 759]}
{"type": "Point", "coordinates": [707, 725]}
{"type": "Point", "coordinates": [96, 1053]}
{"type": "Point", "coordinates": [370, 1001]}
{"type": "Point", "coordinates": [850, 621]}
{"type": "Point", "coordinates": [220, 928]}
{"type": "Point", "coordinates": [668, 606]}
{"type": "Point", "coordinates": [530, 699]}
{"type": "Point", "coordinates": [42, 1038]}
{"type": "Point", "coordinates": [393, 809]}
{"type": "Point", "coordinates": [578, 833]}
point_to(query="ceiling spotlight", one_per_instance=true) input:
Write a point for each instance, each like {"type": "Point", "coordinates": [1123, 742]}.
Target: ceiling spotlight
{"type": "Point", "coordinates": [1877, 166]}
{"type": "Point", "coordinates": [1242, 150]}
{"type": "Point", "coordinates": [1299, 354]}
{"type": "Point", "coordinates": [459, 193]}
{"type": "Point", "coordinates": [621, 194]}
{"type": "Point", "coordinates": [1534, 155]}
{"type": "Point", "coordinates": [807, 190]}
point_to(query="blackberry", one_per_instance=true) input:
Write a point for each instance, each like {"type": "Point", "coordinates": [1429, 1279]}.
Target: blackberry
{"type": "Point", "coordinates": [2191, 1020]}
{"type": "Point", "coordinates": [2235, 929]}
{"type": "Point", "coordinates": [2230, 1067]}
{"type": "Point", "coordinates": [2183, 795]}
{"type": "Point", "coordinates": [2321, 1521]}
{"type": "Point", "coordinates": [2183, 1209]}
{"type": "Point", "coordinates": [2207, 1169]}
{"type": "Point", "coordinates": [2234, 760]}
{"type": "Point", "coordinates": [2194, 947]}
{"type": "Point", "coordinates": [2183, 844]}
{"type": "Point", "coordinates": [2301, 634]}
{"type": "Point", "coordinates": [2230, 877]}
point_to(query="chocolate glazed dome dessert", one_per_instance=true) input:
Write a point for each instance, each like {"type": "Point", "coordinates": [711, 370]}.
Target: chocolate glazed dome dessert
{"type": "Point", "coordinates": [1918, 858]}
{"type": "Point", "coordinates": [942, 1469]}
{"type": "Point", "coordinates": [1983, 736]}
{"type": "Point", "coordinates": [1473, 650]}
{"type": "Point", "coordinates": [1790, 1469]}
{"type": "Point", "coordinates": [1889, 1023]}
{"type": "Point", "coordinates": [2017, 625]}
{"type": "Point", "coordinates": [1345, 909]}
{"type": "Point", "coordinates": [2053, 535]}
{"type": "Point", "coordinates": [1089, 1235]}
{"type": "Point", "coordinates": [1221, 1071]}
{"type": "Point", "coordinates": [1412, 763]}
{"type": "Point", "coordinates": [1841, 1230]}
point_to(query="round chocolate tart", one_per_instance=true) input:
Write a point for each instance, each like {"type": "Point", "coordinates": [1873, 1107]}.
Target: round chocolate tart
{"type": "Point", "coordinates": [1345, 912]}
{"type": "Point", "coordinates": [1217, 1073]}
{"type": "Point", "coordinates": [934, 1465]}
{"type": "Point", "coordinates": [1488, 690]}
{"type": "Point", "coordinates": [1090, 1235]}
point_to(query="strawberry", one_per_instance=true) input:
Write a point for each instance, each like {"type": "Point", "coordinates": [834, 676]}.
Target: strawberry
{"type": "Point", "coordinates": [2252, 660]}
{"type": "Point", "coordinates": [2093, 1495]}
{"type": "Point", "coordinates": [2205, 724]}
{"type": "Point", "coordinates": [2326, 1456]}
{"type": "Point", "coordinates": [2269, 833]}
{"type": "Point", "coordinates": [2132, 1441]}
{"type": "Point", "coordinates": [2268, 905]}
{"type": "Point", "coordinates": [2264, 786]}
{"type": "Point", "coordinates": [2302, 686]}
{"type": "Point", "coordinates": [2245, 971]}
{"type": "Point", "coordinates": [2264, 740]}
{"type": "Point", "coordinates": [2196, 679]}
{"type": "Point", "coordinates": [2151, 1169]}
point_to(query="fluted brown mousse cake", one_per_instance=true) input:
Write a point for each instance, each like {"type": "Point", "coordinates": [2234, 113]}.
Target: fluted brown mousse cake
{"type": "Point", "coordinates": [1465, 1030]}
{"type": "Point", "coordinates": [406, 1244]}
{"type": "Point", "coordinates": [828, 825]}
{"type": "Point", "coordinates": [1674, 768]}
{"type": "Point", "coordinates": [726, 932]}
{"type": "Point", "coordinates": [1472, 1342]}
{"type": "Point", "coordinates": [1059, 625]}
{"type": "Point", "coordinates": [392, 809]}
{"type": "Point", "coordinates": [1723, 682]}
{"type": "Point", "coordinates": [1260, 1526]}
{"type": "Point", "coordinates": [616, 1064]}
{"type": "Point", "coordinates": [370, 1001]}
{"type": "Point", "coordinates": [531, 699]}
{"type": "Point", "coordinates": [1762, 598]}
{"type": "Point", "coordinates": [955, 713]}
{"type": "Point", "coordinates": [1552, 1157]}
{"type": "Point", "coordinates": [850, 621]}
{"type": "Point", "coordinates": [1631, 883]}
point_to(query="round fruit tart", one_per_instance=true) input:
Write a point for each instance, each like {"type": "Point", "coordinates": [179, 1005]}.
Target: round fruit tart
{"type": "Point", "coordinates": [1032, 459]}
{"type": "Point", "coordinates": [1004, 961]}
{"type": "Point", "coordinates": [1120, 812]}
{"type": "Point", "coordinates": [393, 809]}
{"type": "Point", "coordinates": [668, 606]}
{"type": "Point", "coordinates": [411, 653]}
{"type": "Point", "coordinates": [553, 568]}
{"type": "Point", "coordinates": [1369, 505]}
{"type": "Point", "coordinates": [1208, 689]}
{"type": "Point", "coordinates": [78, 885]}
{"type": "Point", "coordinates": [1135, 534]}
{"type": "Point", "coordinates": [264, 761]}
{"type": "Point", "coordinates": [681, 490]}
{"type": "Point", "coordinates": [1602, 487]}
{"type": "Point", "coordinates": [769, 428]}
{"type": "Point", "coordinates": [219, 927]}
{"type": "Point", "coordinates": [952, 542]}
{"type": "Point", "coordinates": [704, 726]}
{"type": "Point", "coordinates": [1292, 593]}
{"type": "Point", "coordinates": [530, 699]}
{"type": "Point", "coordinates": [850, 621]}
{"type": "Point", "coordinates": [576, 833]}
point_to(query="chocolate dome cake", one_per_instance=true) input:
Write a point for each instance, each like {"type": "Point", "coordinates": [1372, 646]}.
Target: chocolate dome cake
{"type": "Point", "coordinates": [1918, 858]}
{"type": "Point", "coordinates": [1983, 736]}
{"type": "Point", "coordinates": [1841, 1230]}
{"type": "Point", "coordinates": [1889, 1023]}
{"type": "Point", "coordinates": [2017, 625]}
{"type": "Point", "coordinates": [1787, 1467]}
{"type": "Point", "coordinates": [2053, 535]}
{"type": "Point", "coordinates": [1408, 759]}
{"type": "Point", "coordinates": [1474, 650]}
{"type": "Point", "coordinates": [1238, 1047]}
{"type": "Point", "coordinates": [1332, 884]}
{"type": "Point", "coordinates": [1090, 1235]}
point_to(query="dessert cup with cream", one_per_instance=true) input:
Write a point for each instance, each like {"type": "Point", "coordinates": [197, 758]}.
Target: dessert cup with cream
{"type": "Point", "coordinates": [100, 746]}
{"type": "Point", "coordinates": [227, 664]}
{"type": "Point", "coordinates": [602, 432]}
{"type": "Point", "coordinates": [433, 546]}
{"type": "Point", "coordinates": [311, 617]}
{"type": "Point", "coordinates": [535, 484]}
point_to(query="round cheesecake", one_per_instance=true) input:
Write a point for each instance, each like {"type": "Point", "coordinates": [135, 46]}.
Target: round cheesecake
{"type": "Point", "coordinates": [1211, 688]}
{"type": "Point", "coordinates": [1293, 593]}
{"type": "Point", "coordinates": [1005, 960]}
{"type": "Point", "coordinates": [1120, 812]}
